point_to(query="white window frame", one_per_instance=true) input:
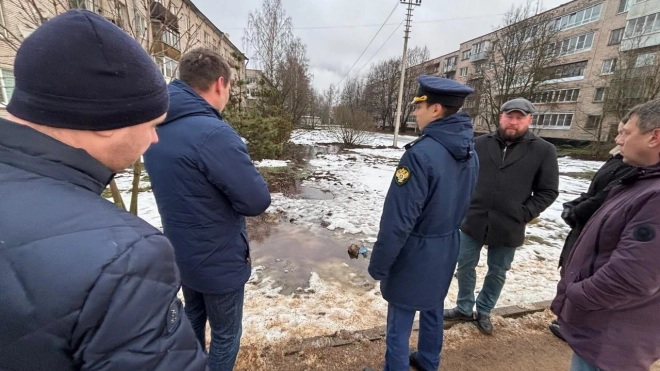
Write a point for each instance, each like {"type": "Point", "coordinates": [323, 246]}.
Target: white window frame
{"type": "Point", "coordinates": [565, 22]}
{"type": "Point", "coordinates": [171, 38]}
{"type": "Point", "coordinates": [464, 72]}
{"type": "Point", "coordinates": [608, 67]}
{"type": "Point", "coordinates": [553, 118]}
{"type": "Point", "coordinates": [622, 31]}
{"type": "Point", "coordinates": [573, 45]}
{"type": "Point", "coordinates": [598, 122]}
{"type": "Point", "coordinates": [3, 31]}
{"type": "Point", "coordinates": [603, 95]}
{"type": "Point", "coordinates": [645, 59]}
{"type": "Point", "coordinates": [557, 96]}
{"type": "Point", "coordinates": [168, 64]}
{"type": "Point", "coordinates": [467, 54]}
{"type": "Point", "coordinates": [5, 95]}
{"type": "Point", "coordinates": [640, 26]}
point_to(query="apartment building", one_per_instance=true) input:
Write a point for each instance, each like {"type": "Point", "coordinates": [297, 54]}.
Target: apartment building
{"type": "Point", "coordinates": [165, 28]}
{"type": "Point", "coordinates": [591, 36]}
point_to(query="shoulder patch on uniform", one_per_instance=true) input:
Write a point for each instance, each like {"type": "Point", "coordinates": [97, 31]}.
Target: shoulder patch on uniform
{"type": "Point", "coordinates": [644, 233]}
{"type": "Point", "coordinates": [401, 175]}
{"type": "Point", "coordinates": [409, 145]}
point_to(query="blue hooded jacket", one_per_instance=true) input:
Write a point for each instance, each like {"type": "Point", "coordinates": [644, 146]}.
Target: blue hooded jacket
{"type": "Point", "coordinates": [418, 243]}
{"type": "Point", "coordinates": [205, 184]}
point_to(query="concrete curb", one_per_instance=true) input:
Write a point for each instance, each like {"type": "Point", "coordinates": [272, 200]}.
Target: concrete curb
{"type": "Point", "coordinates": [342, 338]}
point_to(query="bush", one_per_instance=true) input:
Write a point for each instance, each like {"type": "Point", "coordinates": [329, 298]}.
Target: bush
{"type": "Point", "coordinates": [352, 125]}
{"type": "Point", "coordinates": [265, 136]}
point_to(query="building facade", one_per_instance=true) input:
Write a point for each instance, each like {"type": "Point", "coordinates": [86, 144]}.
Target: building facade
{"type": "Point", "coordinates": [165, 28]}
{"type": "Point", "coordinates": [582, 65]}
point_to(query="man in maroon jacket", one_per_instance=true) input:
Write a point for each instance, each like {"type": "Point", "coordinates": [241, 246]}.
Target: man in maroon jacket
{"type": "Point", "coordinates": [608, 301]}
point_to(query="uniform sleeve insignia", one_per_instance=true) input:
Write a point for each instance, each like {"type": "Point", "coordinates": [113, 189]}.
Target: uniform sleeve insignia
{"type": "Point", "coordinates": [402, 175]}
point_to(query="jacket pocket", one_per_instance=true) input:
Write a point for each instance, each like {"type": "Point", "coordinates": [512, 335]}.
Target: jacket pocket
{"type": "Point", "coordinates": [247, 246]}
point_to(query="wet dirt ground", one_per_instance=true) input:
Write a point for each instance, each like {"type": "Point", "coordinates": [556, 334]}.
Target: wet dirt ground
{"type": "Point", "coordinates": [522, 344]}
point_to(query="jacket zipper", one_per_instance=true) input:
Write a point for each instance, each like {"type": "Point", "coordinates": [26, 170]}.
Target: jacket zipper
{"type": "Point", "coordinates": [504, 153]}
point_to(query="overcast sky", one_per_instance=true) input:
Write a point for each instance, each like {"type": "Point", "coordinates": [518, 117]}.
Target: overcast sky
{"type": "Point", "coordinates": [337, 31]}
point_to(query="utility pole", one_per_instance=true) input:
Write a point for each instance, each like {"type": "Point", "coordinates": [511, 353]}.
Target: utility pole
{"type": "Point", "coordinates": [404, 61]}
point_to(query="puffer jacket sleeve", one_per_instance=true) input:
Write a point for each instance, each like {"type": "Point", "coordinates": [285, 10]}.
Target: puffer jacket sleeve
{"type": "Point", "coordinates": [225, 161]}
{"type": "Point", "coordinates": [132, 318]}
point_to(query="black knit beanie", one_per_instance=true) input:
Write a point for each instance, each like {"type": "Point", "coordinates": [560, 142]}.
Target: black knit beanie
{"type": "Point", "coordinates": [80, 71]}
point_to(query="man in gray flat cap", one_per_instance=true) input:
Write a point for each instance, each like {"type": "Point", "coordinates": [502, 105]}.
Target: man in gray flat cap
{"type": "Point", "coordinates": [518, 179]}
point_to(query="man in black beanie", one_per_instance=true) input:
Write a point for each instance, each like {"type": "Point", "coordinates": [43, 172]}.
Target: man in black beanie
{"type": "Point", "coordinates": [85, 285]}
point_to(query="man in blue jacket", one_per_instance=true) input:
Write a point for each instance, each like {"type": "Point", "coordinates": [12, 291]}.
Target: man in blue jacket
{"type": "Point", "coordinates": [83, 284]}
{"type": "Point", "coordinates": [205, 184]}
{"type": "Point", "coordinates": [418, 243]}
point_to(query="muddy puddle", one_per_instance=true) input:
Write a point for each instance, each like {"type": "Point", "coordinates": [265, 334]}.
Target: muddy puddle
{"type": "Point", "coordinates": [290, 253]}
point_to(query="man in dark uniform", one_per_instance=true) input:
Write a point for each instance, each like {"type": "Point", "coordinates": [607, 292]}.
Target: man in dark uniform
{"type": "Point", "coordinates": [418, 243]}
{"type": "Point", "coordinates": [518, 180]}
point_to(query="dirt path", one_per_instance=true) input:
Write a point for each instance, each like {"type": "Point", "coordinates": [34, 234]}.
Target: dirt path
{"type": "Point", "coordinates": [520, 344]}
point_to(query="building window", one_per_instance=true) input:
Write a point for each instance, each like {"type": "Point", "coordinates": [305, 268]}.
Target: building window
{"type": "Point", "coordinates": [140, 23]}
{"type": "Point", "coordinates": [556, 96]}
{"type": "Point", "coordinates": [7, 83]}
{"type": "Point", "coordinates": [624, 5]}
{"type": "Point", "coordinates": [464, 72]}
{"type": "Point", "coordinates": [572, 45]}
{"type": "Point", "coordinates": [616, 36]}
{"type": "Point", "coordinates": [642, 26]}
{"type": "Point", "coordinates": [593, 122]}
{"type": "Point", "coordinates": [584, 16]}
{"type": "Point", "coordinates": [567, 70]}
{"type": "Point", "coordinates": [467, 54]}
{"type": "Point", "coordinates": [599, 94]}
{"type": "Point", "coordinates": [552, 121]}
{"type": "Point", "coordinates": [3, 30]}
{"type": "Point", "coordinates": [171, 38]}
{"type": "Point", "coordinates": [92, 5]}
{"type": "Point", "coordinates": [185, 22]}
{"type": "Point", "coordinates": [646, 59]}
{"type": "Point", "coordinates": [609, 65]}
{"type": "Point", "coordinates": [168, 66]}
{"type": "Point", "coordinates": [207, 40]}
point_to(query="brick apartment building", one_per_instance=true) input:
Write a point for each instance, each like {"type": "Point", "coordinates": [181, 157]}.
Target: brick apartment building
{"type": "Point", "coordinates": [166, 28]}
{"type": "Point", "coordinates": [591, 37]}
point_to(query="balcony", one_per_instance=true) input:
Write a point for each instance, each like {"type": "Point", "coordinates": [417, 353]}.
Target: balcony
{"type": "Point", "coordinates": [479, 56]}
{"type": "Point", "coordinates": [449, 68]}
{"type": "Point", "coordinates": [165, 16]}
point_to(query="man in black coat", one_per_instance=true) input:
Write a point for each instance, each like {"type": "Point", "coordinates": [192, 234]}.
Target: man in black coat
{"type": "Point", "coordinates": [518, 180]}
{"type": "Point", "coordinates": [85, 285]}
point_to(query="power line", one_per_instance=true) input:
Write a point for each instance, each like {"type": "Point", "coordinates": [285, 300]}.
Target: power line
{"type": "Point", "coordinates": [370, 42]}
{"type": "Point", "coordinates": [379, 25]}
{"type": "Point", "coordinates": [381, 47]}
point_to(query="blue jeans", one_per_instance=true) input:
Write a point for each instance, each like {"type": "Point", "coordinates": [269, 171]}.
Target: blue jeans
{"type": "Point", "coordinates": [499, 262]}
{"type": "Point", "coordinates": [429, 343]}
{"type": "Point", "coordinates": [579, 364]}
{"type": "Point", "coordinates": [225, 314]}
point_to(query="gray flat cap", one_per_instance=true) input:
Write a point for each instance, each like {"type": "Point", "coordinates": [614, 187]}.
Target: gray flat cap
{"type": "Point", "coordinates": [518, 104]}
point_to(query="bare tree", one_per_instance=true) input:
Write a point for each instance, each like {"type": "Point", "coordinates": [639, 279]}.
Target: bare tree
{"type": "Point", "coordinates": [328, 98]}
{"type": "Point", "coordinates": [416, 57]}
{"type": "Point", "coordinates": [514, 62]}
{"type": "Point", "coordinates": [352, 122]}
{"type": "Point", "coordinates": [270, 33]}
{"type": "Point", "coordinates": [381, 91]}
{"type": "Point", "coordinates": [158, 27]}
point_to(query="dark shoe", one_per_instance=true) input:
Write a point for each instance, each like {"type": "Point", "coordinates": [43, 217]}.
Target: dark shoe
{"type": "Point", "coordinates": [455, 315]}
{"type": "Point", "coordinates": [414, 363]}
{"type": "Point", "coordinates": [554, 328]}
{"type": "Point", "coordinates": [483, 323]}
